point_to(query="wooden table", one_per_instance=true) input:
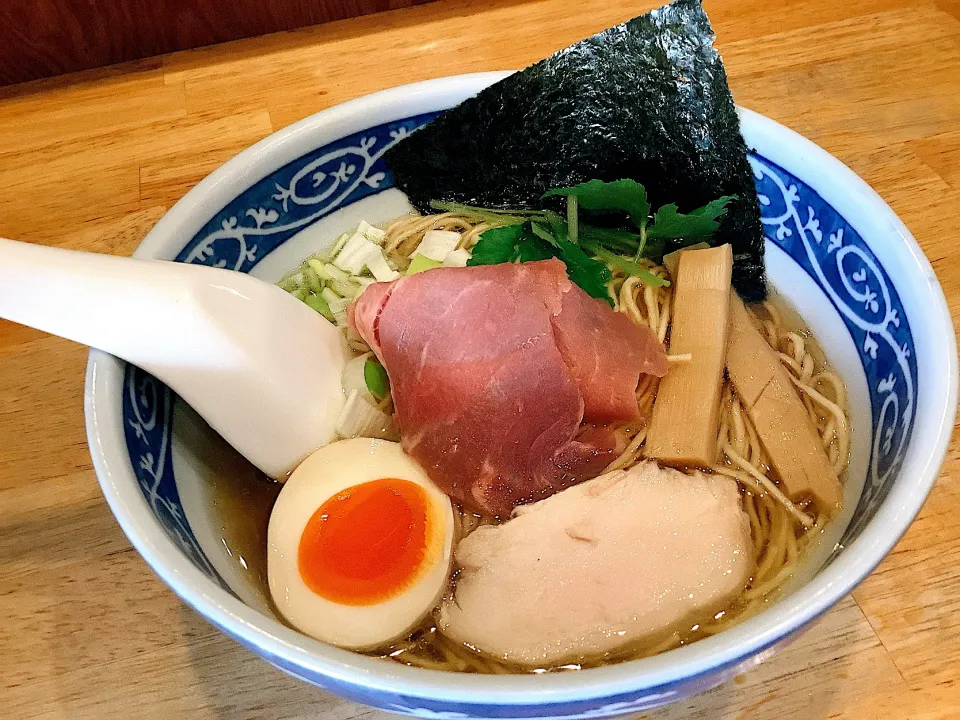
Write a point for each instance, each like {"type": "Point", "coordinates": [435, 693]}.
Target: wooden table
{"type": "Point", "coordinates": [92, 161]}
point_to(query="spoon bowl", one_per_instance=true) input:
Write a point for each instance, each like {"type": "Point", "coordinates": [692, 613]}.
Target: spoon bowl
{"type": "Point", "coordinates": [258, 365]}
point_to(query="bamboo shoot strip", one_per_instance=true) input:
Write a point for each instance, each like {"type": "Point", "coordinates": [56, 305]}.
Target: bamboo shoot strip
{"type": "Point", "coordinates": [782, 422]}
{"type": "Point", "coordinates": [686, 414]}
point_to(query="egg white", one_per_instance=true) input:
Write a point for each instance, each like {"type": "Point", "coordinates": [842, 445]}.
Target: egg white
{"type": "Point", "coordinates": [326, 472]}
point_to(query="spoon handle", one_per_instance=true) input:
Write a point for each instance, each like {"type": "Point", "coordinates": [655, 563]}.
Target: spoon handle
{"type": "Point", "coordinates": [260, 366]}
{"type": "Point", "coordinates": [103, 301]}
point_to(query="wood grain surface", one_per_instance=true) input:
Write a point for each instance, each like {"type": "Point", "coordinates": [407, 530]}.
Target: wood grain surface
{"type": "Point", "coordinates": [92, 161]}
{"type": "Point", "coordinates": [39, 38]}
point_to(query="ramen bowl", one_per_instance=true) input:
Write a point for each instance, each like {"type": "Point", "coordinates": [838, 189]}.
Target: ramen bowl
{"type": "Point", "coordinates": [835, 252]}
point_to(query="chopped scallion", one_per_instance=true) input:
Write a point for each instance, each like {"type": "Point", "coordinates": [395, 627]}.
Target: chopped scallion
{"type": "Point", "coordinates": [376, 378]}
{"type": "Point", "coordinates": [319, 304]}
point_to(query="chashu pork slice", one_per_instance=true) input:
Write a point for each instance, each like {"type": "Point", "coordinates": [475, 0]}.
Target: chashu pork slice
{"type": "Point", "coordinates": [494, 368]}
{"type": "Point", "coordinates": [628, 557]}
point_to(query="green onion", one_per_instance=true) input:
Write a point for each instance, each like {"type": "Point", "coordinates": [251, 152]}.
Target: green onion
{"type": "Point", "coordinates": [319, 304]}
{"type": "Point", "coordinates": [330, 296]}
{"type": "Point", "coordinates": [376, 379]}
{"type": "Point", "coordinates": [421, 263]}
{"type": "Point", "coordinates": [289, 284]}
{"type": "Point", "coordinates": [312, 280]}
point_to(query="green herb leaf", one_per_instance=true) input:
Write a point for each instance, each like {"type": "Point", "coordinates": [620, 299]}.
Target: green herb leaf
{"type": "Point", "coordinates": [591, 275]}
{"type": "Point", "coordinates": [629, 267]}
{"type": "Point", "coordinates": [583, 270]}
{"type": "Point", "coordinates": [531, 248]}
{"type": "Point", "coordinates": [534, 241]}
{"type": "Point", "coordinates": [526, 242]}
{"type": "Point", "coordinates": [716, 208]}
{"type": "Point", "coordinates": [558, 226]}
{"type": "Point", "coordinates": [700, 224]}
{"type": "Point", "coordinates": [544, 234]}
{"type": "Point", "coordinates": [626, 196]}
{"type": "Point", "coordinates": [376, 379]}
{"type": "Point", "coordinates": [497, 245]}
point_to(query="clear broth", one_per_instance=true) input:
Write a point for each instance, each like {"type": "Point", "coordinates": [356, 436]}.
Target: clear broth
{"type": "Point", "coordinates": [243, 498]}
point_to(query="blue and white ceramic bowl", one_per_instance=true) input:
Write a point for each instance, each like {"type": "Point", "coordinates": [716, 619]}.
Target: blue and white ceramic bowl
{"type": "Point", "coordinates": [835, 251]}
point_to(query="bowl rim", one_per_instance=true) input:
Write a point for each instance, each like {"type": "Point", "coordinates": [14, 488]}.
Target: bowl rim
{"type": "Point", "coordinates": [832, 180]}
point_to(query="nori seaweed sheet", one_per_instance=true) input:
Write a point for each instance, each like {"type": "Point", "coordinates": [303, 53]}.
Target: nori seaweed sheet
{"type": "Point", "coordinates": [646, 100]}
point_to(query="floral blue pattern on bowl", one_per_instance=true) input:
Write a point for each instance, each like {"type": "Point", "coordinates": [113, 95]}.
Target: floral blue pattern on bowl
{"type": "Point", "coordinates": [818, 239]}
{"type": "Point", "coordinates": [796, 219]}
{"type": "Point", "coordinates": [298, 194]}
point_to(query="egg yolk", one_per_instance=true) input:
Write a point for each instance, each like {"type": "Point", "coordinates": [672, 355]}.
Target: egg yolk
{"type": "Point", "coordinates": [366, 543]}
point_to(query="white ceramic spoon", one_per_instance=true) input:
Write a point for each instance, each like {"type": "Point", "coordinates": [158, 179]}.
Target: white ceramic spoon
{"type": "Point", "coordinates": [260, 366]}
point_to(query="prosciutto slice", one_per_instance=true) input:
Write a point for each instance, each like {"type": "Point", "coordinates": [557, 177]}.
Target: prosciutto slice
{"type": "Point", "coordinates": [605, 353]}
{"type": "Point", "coordinates": [494, 368]}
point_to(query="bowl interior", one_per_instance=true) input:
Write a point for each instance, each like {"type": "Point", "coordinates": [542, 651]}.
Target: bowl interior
{"type": "Point", "coordinates": [325, 175]}
{"type": "Point", "coordinates": [816, 261]}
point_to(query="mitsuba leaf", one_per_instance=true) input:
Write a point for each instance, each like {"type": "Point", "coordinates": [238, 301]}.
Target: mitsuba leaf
{"type": "Point", "coordinates": [716, 208]}
{"type": "Point", "coordinates": [626, 196]}
{"type": "Point", "coordinates": [531, 241]}
{"type": "Point", "coordinates": [533, 248]}
{"type": "Point", "coordinates": [544, 234]}
{"type": "Point", "coordinates": [695, 226]}
{"type": "Point", "coordinates": [558, 226]}
{"type": "Point", "coordinates": [497, 245]}
{"type": "Point", "coordinates": [591, 275]}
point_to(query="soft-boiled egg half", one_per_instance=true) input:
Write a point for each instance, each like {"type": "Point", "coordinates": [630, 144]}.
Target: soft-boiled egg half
{"type": "Point", "coordinates": [359, 544]}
